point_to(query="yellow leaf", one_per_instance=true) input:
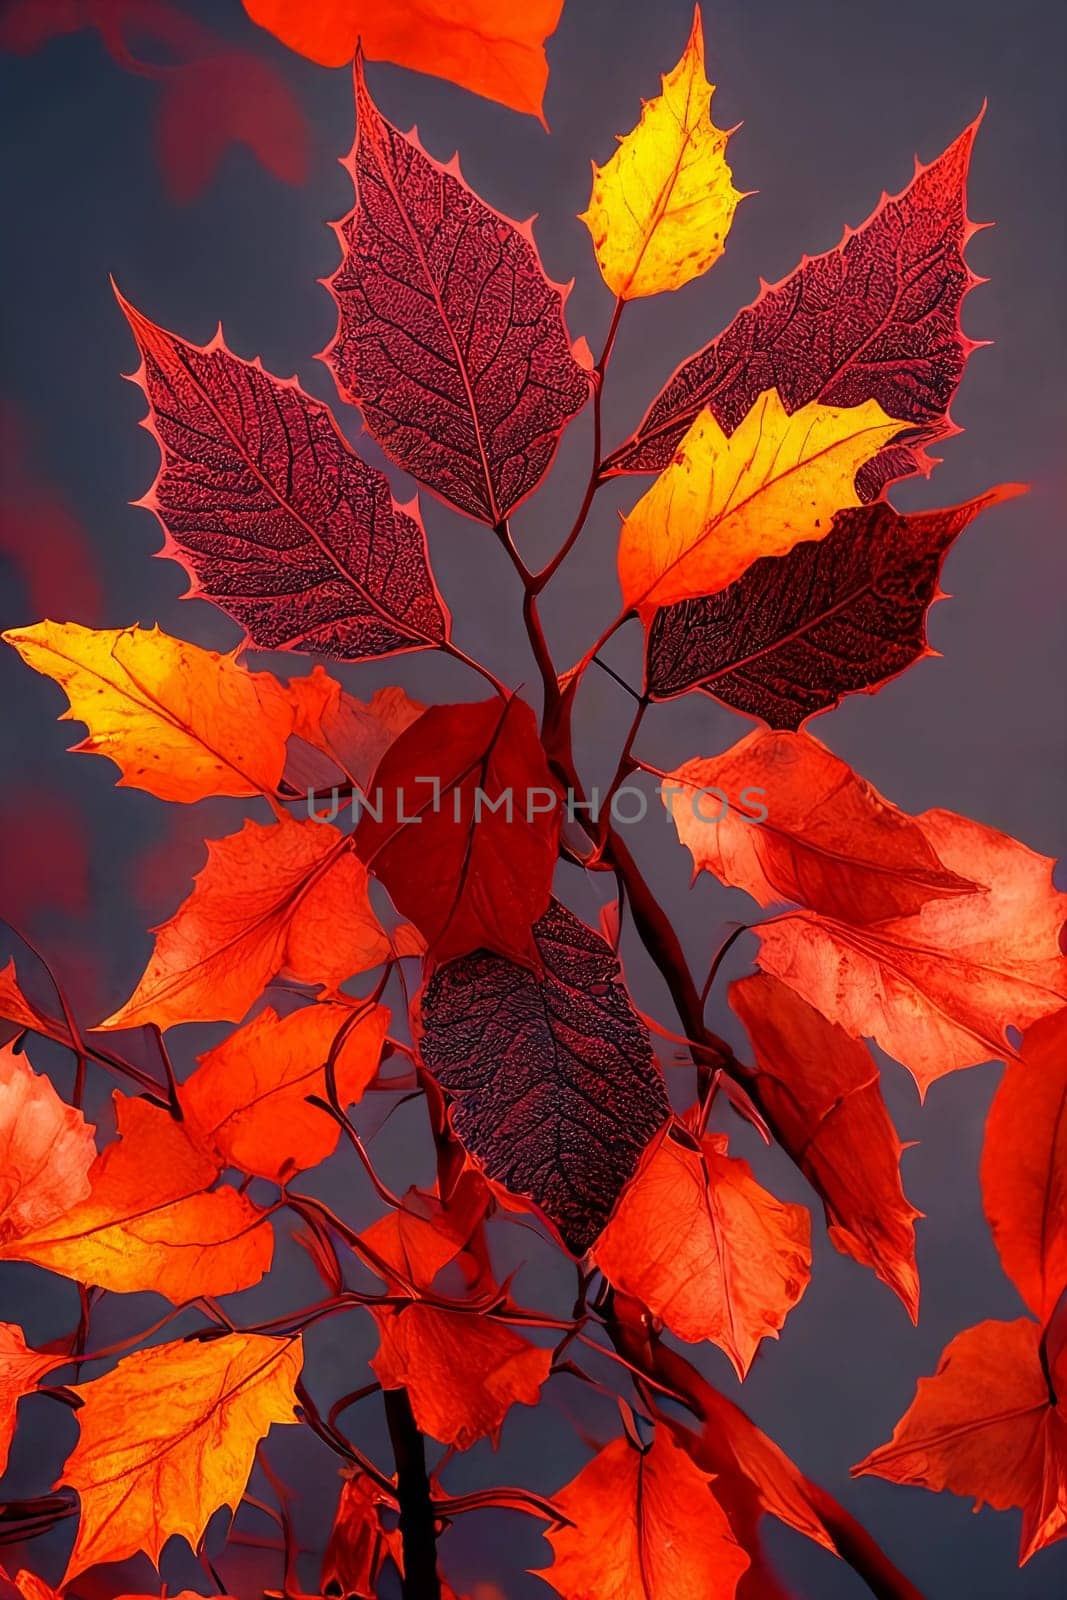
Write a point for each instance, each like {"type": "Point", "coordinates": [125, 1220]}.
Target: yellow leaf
{"type": "Point", "coordinates": [169, 1436]}
{"type": "Point", "coordinates": [661, 208]}
{"type": "Point", "coordinates": [725, 501]}
{"type": "Point", "coordinates": [176, 720]}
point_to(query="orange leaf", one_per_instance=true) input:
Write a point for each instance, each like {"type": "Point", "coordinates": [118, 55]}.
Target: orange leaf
{"type": "Point", "coordinates": [821, 1091]}
{"type": "Point", "coordinates": [168, 1436]}
{"type": "Point", "coordinates": [709, 1251]}
{"type": "Point", "coordinates": [646, 1526]}
{"type": "Point", "coordinates": [181, 722]}
{"type": "Point", "coordinates": [46, 1148]}
{"type": "Point", "coordinates": [725, 500]}
{"type": "Point", "coordinates": [247, 1100]}
{"type": "Point", "coordinates": [150, 1222]}
{"type": "Point", "coordinates": [352, 734]}
{"type": "Point", "coordinates": [358, 1544]}
{"type": "Point", "coordinates": [15, 1007]}
{"type": "Point", "coordinates": [492, 47]}
{"type": "Point", "coordinates": [1024, 1166]}
{"type": "Point", "coordinates": [937, 990]}
{"type": "Point", "coordinates": [829, 840]}
{"type": "Point", "coordinates": [20, 1369]}
{"type": "Point", "coordinates": [983, 1425]}
{"type": "Point", "coordinates": [425, 1234]}
{"type": "Point", "coordinates": [283, 896]}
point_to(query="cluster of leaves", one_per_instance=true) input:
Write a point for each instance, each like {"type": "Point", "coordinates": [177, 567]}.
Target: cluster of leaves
{"type": "Point", "coordinates": [766, 568]}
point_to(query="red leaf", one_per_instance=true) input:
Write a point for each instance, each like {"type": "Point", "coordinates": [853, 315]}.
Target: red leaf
{"type": "Point", "coordinates": [822, 1093]}
{"type": "Point", "coordinates": [877, 318]}
{"type": "Point", "coordinates": [468, 876]}
{"type": "Point", "coordinates": [556, 1091]}
{"type": "Point", "coordinates": [835, 616]}
{"type": "Point", "coordinates": [450, 338]}
{"type": "Point", "coordinates": [20, 1369]}
{"type": "Point", "coordinates": [274, 517]}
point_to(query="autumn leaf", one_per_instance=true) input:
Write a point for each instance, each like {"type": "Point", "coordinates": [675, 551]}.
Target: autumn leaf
{"type": "Point", "coordinates": [937, 990]}
{"type": "Point", "coordinates": [276, 520]}
{"type": "Point", "coordinates": [555, 1089]}
{"type": "Point", "coordinates": [46, 1149]}
{"type": "Point", "coordinates": [337, 738]}
{"type": "Point", "coordinates": [20, 1370]}
{"type": "Point", "coordinates": [491, 47]}
{"type": "Point", "coordinates": [726, 500]}
{"type": "Point", "coordinates": [646, 1526]}
{"type": "Point", "coordinates": [179, 721]}
{"type": "Point", "coordinates": [413, 1243]}
{"type": "Point", "coordinates": [827, 841]}
{"type": "Point", "coordinates": [358, 1545]}
{"type": "Point", "coordinates": [475, 870]}
{"type": "Point", "coordinates": [796, 633]}
{"type": "Point", "coordinates": [876, 319]}
{"type": "Point", "coordinates": [821, 1092]}
{"type": "Point", "coordinates": [662, 206]}
{"type": "Point", "coordinates": [16, 1007]}
{"type": "Point", "coordinates": [151, 1220]}
{"type": "Point", "coordinates": [1024, 1167]}
{"type": "Point", "coordinates": [247, 1101]}
{"type": "Point", "coordinates": [985, 1425]}
{"type": "Point", "coordinates": [450, 338]}
{"type": "Point", "coordinates": [285, 896]}
{"type": "Point", "coordinates": [706, 1248]}
{"type": "Point", "coordinates": [168, 1436]}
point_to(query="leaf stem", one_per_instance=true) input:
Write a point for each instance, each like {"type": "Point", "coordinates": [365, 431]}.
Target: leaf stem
{"type": "Point", "coordinates": [418, 1529]}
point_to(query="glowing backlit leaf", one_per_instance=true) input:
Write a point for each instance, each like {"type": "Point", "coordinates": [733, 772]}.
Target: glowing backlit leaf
{"type": "Point", "coordinates": [662, 206]}
{"type": "Point", "coordinates": [179, 721]}
{"type": "Point", "coordinates": [710, 1252]}
{"type": "Point", "coordinates": [20, 1370]}
{"type": "Point", "coordinates": [168, 1436]}
{"type": "Point", "coordinates": [725, 501]}
{"type": "Point", "coordinates": [46, 1149]}
{"type": "Point", "coordinates": [337, 738]}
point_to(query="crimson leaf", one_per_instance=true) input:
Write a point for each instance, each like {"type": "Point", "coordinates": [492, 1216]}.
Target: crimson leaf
{"type": "Point", "coordinates": [555, 1088]}
{"type": "Point", "coordinates": [450, 338]}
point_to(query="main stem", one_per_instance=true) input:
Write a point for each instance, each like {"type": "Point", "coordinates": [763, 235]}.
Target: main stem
{"type": "Point", "coordinates": [417, 1527]}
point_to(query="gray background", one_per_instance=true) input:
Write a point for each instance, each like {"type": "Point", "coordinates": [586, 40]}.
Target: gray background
{"type": "Point", "coordinates": [835, 99]}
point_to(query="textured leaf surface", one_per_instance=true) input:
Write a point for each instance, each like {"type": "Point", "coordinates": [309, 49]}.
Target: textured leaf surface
{"type": "Point", "coordinates": [492, 47]}
{"type": "Point", "coordinates": [168, 1436]}
{"type": "Point", "coordinates": [450, 338]}
{"type": "Point", "coordinates": [698, 1241]}
{"type": "Point", "coordinates": [149, 1220]}
{"type": "Point", "coordinates": [876, 319]}
{"type": "Point", "coordinates": [646, 1526]}
{"type": "Point", "coordinates": [938, 990]}
{"type": "Point", "coordinates": [181, 722]}
{"type": "Point", "coordinates": [556, 1091]}
{"type": "Point", "coordinates": [274, 517]}
{"type": "Point", "coordinates": [20, 1371]}
{"type": "Point", "coordinates": [821, 1092]}
{"type": "Point", "coordinates": [46, 1148]}
{"type": "Point", "coordinates": [834, 616]}
{"type": "Point", "coordinates": [662, 206]}
{"type": "Point", "coordinates": [288, 895]}
{"type": "Point", "coordinates": [725, 500]}
{"type": "Point", "coordinates": [983, 1426]}
{"type": "Point", "coordinates": [1024, 1166]}
{"type": "Point", "coordinates": [829, 841]}
{"type": "Point", "coordinates": [475, 870]}
{"type": "Point", "coordinates": [247, 1100]}
{"type": "Point", "coordinates": [339, 739]}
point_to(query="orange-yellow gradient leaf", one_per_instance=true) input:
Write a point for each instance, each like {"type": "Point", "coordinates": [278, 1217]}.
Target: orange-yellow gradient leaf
{"type": "Point", "coordinates": [181, 722]}
{"type": "Point", "coordinates": [983, 1425]}
{"type": "Point", "coordinates": [495, 48]}
{"type": "Point", "coordinates": [337, 738]}
{"type": "Point", "coordinates": [662, 206]}
{"type": "Point", "coordinates": [725, 500]}
{"type": "Point", "coordinates": [20, 1370]}
{"type": "Point", "coordinates": [827, 839]}
{"type": "Point", "coordinates": [938, 990]}
{"type": "Point", "coordinates": [707, 1249]}
{"type": "Point", "coordinates": [46, 1149]}
{"type": "Point", "coordinates": [1024, 1166]}
{"type": "Point", "coordinates": [821, 1092]}
{"type": "Point", "coordinates": [151, 1219]}
{"type": "Point", "coordinates": [247, 1100]}
{"type": "Point", "coordinates": [285, 896]}
{"type": "Point", "coordinates": [645, 1526]}
{"type": "Point", "coordinates": [169, 1436]}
